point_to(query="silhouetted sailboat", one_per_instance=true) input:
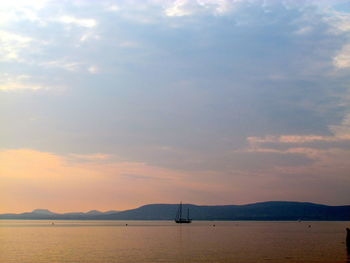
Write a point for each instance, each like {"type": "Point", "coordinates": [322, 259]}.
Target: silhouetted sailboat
{"type": "Point", "coordinates": [179, 219]}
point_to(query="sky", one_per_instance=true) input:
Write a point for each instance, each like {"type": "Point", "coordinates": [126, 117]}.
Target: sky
{"type": "Point", "coordinates": [115, 104]}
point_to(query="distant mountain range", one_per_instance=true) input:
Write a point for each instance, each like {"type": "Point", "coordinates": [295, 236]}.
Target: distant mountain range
{"type": "Point", "coordinates": [275, 210]}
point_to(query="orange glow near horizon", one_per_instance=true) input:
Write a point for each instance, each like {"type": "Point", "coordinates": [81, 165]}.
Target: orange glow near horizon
{"type": "Point", "coordinates": [31, 179]}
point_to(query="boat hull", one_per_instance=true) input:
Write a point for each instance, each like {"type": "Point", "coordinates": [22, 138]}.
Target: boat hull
{"type": "Point", "coordinates": [183, 221]}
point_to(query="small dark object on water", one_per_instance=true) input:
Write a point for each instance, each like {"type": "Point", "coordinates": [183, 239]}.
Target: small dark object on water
{"type": "Point", "coordinates": [348, 238]}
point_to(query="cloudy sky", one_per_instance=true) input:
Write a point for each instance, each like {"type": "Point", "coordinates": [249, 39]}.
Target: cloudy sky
{"type": "Point", "coordinates": [114, 104]}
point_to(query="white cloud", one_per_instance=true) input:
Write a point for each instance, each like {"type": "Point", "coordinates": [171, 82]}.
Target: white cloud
{"type": "Point", "coordinates": [342, 59]}
{"type": "Point", "coordinates": [93, 69]}
{"type": "Point", "coordinates": [64, 64]}
{"type": "Point", "coordinates": [89, 36]}
{"type": "Point", "coordinates": [340, 25]}
{"type": "Point", "coordinates": [188, 7]}
{"type": "Point", "coordinates": [72, 66]}
{"type": "Point", "coordinates": [11, 83]}
{"type": "Point", "coordinates": [181, 8]}
{"type": "Point", "coordinates": [21, 82]}
{"type": "Point", "coordinates": [113, 8]}
{"type": "Point", "coordinates": [19, 86]}
{"type": "Point", "coordinates": [222, 6]}
{"type": "Point", "coordinates": [12, 44]}
{"type": "Point", "coordinates": [83, 22]}
{"type": "Point", "coordinates": [33, 4]}
{"type": "Point", "coordinates": [130, 44]}
{"type": "Point", "coordinates": [339, 21]}
{"type": "Point", "coordinates": [19, 10]}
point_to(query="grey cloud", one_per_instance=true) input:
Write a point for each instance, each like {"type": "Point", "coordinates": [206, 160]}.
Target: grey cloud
{"type": "Point", "coordinates": [321, 145]}
{"type": "Point", "coordinates": [141, 177]}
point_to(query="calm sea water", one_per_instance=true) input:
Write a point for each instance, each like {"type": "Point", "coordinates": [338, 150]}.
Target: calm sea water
{"type": "Point", "coordinates": [36, 241]}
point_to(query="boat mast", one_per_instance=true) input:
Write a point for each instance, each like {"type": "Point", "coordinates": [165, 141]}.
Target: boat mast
{"type": "Point", "coordinates": [180, 210]}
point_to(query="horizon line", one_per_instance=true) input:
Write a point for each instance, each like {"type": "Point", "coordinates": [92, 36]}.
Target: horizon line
{"type": "Point", "coordinates": [122, 210]}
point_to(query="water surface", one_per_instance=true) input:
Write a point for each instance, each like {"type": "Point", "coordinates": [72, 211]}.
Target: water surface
{"type": "Point", "coordinates": [36, 241]}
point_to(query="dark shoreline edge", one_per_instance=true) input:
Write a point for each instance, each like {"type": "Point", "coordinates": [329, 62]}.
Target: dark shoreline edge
{"type": "Point", "coordinates": [264, 211]}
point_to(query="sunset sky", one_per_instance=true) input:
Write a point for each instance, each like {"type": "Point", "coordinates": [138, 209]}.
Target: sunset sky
{"type": "Point", "coordinates": [115, 104]}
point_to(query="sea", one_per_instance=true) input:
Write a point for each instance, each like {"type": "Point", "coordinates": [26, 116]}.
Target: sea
{"type": "Point", "coordinates": [64, 241]}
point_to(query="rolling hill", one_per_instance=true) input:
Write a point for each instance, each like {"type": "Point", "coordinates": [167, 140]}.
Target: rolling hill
{"type": "Point", "coordinates": [274, 210]}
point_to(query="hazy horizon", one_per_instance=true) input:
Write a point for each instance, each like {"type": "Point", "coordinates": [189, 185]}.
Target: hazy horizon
{"type": "Point", "coordinates": [120, 210]}
{"type": "Point", "coordinates": [157, 203]}
{"type": "Point", "coordinates": [114, 104]}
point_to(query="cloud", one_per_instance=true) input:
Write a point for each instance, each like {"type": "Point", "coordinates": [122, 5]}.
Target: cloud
{"type": "Point", "coordinates": [234, 96]}
{"type": "Point", "coordinates": [295, 139]}
{"type": "Point", "coordinates": [65, 64]}
{"type": "Point", "coordinates": [340, 21]}
{"type": "Point", "coordinates": [83, 22]}
{"type": "Point", "coordinates": [34, 4]}
{"type": "Point", "coordinates": [89, 36]}
{"type": "Point", "coordinates": [12, 45]}
{"type": "Point", "coordinates": [342, 59]}
{"type": "Point", "coordinates": [340, 26]}
{"type": "Point", "coordinates": [21, 82]}
{"type": "Point", "coordinates": [113, 8]}
{"type": "Point", "coordinates": [19, 86]}
{"type": "Point", "coordinates": [182, 8]}
{"type": "Point", "coordinates": [21, 10]}
{"type": "Point", "coordinates": [343, 129]}
{"type": "Point", "coordinates": [315, 147]}
{"type": "Point", "coordinates": [187, 8]}
{"type": "Point", "coordinates": [93, 69]}
{"type": "Point", "coordinates": [129, 44]}
{"type": "Point", "coordinates": [140, 177]}
{"type": "Point", "coordinates": [91, 157]}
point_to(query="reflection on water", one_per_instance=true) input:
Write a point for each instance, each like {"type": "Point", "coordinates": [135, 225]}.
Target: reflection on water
{"type": "Point", "coordinates": [33, 241]}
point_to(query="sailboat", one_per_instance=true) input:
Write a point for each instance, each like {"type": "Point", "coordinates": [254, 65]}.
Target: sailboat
{"type": "Point", "coordinates": [179, 219]}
